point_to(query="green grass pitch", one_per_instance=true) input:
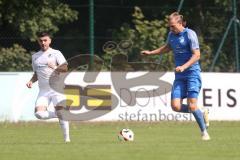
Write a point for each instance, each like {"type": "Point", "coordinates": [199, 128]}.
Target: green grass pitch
{"type": "Point", "coordinates": [98, 140]}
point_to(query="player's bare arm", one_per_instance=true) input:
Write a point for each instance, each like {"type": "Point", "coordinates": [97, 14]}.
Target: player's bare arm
{"type": "Point", "coordinates": [195, 57]}
{"type": "Point", "coordinates": [164, 49]}
{"type": "Point", "coordinates": [32, 80]}
{"type": "Point", "coordinates": [62, 68]}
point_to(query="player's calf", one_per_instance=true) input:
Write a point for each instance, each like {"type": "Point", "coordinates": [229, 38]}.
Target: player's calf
{"type": "Point", "coordinates": [63, 124]}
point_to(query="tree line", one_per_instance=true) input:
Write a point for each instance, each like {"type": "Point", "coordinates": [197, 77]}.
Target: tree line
{"type": "Point", "coordinates": [132, 25]}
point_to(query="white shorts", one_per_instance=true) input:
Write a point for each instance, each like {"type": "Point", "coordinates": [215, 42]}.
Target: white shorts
{"type": "Point", "coordinates": [46, 97]}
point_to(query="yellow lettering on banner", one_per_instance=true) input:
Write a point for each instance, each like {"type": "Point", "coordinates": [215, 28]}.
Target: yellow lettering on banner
{"type": "Point", "coordinates": [98, 92]}
{"type": "Point", "coordinates": [73, 95]}
{"type": "Point", "coordinates": [98, 103]}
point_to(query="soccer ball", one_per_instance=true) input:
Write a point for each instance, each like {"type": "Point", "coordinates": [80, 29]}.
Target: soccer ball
{"type": "Point", "coordinates": [126, 135]}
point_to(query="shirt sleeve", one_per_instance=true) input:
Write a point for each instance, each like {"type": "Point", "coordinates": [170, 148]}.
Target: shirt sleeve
{"type": "Point", "coordinates": [192, 36]}
{"type": "Point", "coordinates": [60, 58]}
{"type": "Point", "coordinates": [33, 66]}
{"type": "Point", "coordinates": [168, 39]}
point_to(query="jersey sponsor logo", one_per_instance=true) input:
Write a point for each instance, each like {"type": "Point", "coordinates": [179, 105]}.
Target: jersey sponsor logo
{"type": "Point", "coordinates": [181, 40]}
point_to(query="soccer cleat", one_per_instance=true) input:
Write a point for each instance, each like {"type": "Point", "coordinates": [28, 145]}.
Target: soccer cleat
{"type": "Point", "coordinates": [205, 136]}
{"type": "Point", "coordinates": [67, 140]}
{"type": "Point", "coordinates": [205, 116]}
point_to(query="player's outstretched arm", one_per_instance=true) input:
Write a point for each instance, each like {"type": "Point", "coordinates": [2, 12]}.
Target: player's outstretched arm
{"type": "Point", "coordinates": [164, 49]}
{"type": "Point", "coordinates": [32, 80]}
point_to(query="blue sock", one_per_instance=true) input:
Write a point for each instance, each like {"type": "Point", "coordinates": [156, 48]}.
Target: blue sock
{"type": "Point", "coordinates": [199, 118]}
{"type": "Point", "coordinates": [184, 109]}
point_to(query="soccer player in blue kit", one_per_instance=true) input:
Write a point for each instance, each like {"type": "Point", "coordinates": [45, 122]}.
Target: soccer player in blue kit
{"type": "Point", "coordinates": [187, 84]}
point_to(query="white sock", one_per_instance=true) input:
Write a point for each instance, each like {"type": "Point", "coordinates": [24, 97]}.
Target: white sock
{"type": "Point", "coordinates": [204, 132]}
{"type": "Point", "coordinates": [65, 129]}
{"type": "Point", "coordinates": [45, 114]}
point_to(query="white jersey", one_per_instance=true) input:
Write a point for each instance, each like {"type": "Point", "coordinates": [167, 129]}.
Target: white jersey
{"type": "Point", "coordinates": [40, 62]}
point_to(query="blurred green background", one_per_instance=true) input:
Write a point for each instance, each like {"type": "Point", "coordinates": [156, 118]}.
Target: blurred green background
{"type": "Point", "coordinates": [141, 22]}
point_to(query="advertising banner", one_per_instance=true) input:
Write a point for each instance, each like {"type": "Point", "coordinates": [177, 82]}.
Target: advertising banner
{"type": "Point", "coordinates": [120, 96]}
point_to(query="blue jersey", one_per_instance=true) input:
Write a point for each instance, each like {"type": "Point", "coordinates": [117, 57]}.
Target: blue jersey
{"type": "Point", "coordinates": [182, 45]}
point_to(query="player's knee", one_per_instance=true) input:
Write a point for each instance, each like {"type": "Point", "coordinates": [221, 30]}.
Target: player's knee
{"type": "Point", "coordinates": [176, 107]}
{"type": "Point", "coordinates": [192, 106]}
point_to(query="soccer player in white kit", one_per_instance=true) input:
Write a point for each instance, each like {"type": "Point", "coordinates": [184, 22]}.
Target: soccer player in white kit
{"type": "Point", "coordinates": [46, 63]}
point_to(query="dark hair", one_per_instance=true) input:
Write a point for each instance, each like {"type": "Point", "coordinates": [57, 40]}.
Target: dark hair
{"type": "Point", "coordinates": [43, 34]}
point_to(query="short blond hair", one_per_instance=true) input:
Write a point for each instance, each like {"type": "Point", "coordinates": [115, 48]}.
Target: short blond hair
{"type": "Point", "coordinates": [177, 17]}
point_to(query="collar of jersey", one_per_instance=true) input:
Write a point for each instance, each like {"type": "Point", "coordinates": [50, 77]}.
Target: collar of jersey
{"type": "Point", "coordinates": [47, 50]}
{"type": "Point", "coordinates": [184, 30]}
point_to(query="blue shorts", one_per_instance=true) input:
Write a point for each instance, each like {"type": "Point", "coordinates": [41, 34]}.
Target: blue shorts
{"type": "Point", "coordinates": [187, 87]}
